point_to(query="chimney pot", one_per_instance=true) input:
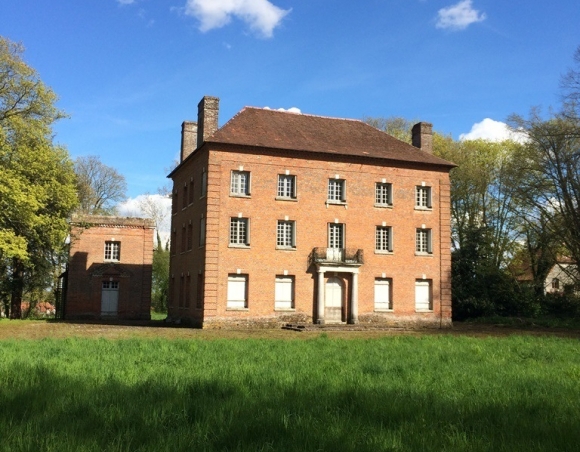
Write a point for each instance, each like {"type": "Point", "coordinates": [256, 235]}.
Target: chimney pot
{"type": "Point", "coordinates": [188, 138]}
{"type": "Point", "coordinates": [207, 118]}
{"type": "Point", "coordinates": [423, 136]}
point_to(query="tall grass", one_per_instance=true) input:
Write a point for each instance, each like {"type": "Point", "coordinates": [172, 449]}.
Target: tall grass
{"type": "Point", "coordinates": [391, 394]}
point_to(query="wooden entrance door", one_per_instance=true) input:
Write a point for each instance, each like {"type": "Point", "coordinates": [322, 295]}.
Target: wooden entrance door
{"type": "Point", "coordinates": [333, 298]}
{"type": "Point", "coordinates": [110, 298]}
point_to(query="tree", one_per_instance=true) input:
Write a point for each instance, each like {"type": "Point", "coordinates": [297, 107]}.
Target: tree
{"type": "Point", "coordinates": [570, 87]}
{"type": "Point", "coordinates": [160, 276]}
{"type": "Point", "coordinates": [37, 182]}
{"type": "Point", "coordinates": [395, 126]}
{"type": "Point", "coordinates": [99, 186]}
{"type": "Point", "coordinates": [550, 160]}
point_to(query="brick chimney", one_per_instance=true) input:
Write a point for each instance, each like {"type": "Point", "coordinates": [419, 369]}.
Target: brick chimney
{"type": "Point", "coordinates": [423, 136]}
{"type": "Point", "coordinates": [188, 138]}
{"type": "Point", "coordinates": [207, 118]}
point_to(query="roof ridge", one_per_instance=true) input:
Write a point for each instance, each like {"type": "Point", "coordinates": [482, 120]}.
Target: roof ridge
{"type": "Point", "coordinates": [303, 114]}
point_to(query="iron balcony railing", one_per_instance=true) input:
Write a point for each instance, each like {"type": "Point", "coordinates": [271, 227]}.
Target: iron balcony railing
{"type": "Point", "coordinates": [344, 256]}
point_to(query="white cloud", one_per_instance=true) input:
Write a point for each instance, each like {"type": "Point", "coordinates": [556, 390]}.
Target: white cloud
{"type": "Point", "coordinates": [491, 130]}
{"type": "Point", "coordinates": [289, 110]}
{"type": "Point", "coordinates": [261, 15]}
{"type": "Point", "coordinates": [459, 16]}
{"type": "Point", "coordinates": [149, 206]}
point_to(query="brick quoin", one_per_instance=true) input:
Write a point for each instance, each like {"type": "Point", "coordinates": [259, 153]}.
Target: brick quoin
{"type": "Point", "coordinates": [88, 269]}
{"type": "Point", "coordinates": [199, 272]}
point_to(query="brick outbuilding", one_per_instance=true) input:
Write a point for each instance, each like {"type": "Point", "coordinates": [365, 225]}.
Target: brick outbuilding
{"type": "Point", "coordinates": [284, 217]}
{"type": "Point", "coordinates": [109, 271]}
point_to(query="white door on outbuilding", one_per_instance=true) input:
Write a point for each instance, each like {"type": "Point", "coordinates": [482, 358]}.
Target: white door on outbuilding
{"type": "Point", "coordinates": [110, 298]}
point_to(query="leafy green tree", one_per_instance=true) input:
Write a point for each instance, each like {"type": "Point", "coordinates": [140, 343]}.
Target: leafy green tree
{"type": "Point", "coordinates": [37, 182]}
{"type": "Point", "coordinates": [160, 276]}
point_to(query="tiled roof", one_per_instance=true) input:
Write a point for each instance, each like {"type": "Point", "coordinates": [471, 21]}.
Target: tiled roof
{"type": "Point", "coordinates": [292, 131]}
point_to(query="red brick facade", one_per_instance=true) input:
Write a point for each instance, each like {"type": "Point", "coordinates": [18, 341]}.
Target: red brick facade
{"type": "Point", "coordinates": [109, 274]}
{"type": "Point", "coordinates": [344, 281]}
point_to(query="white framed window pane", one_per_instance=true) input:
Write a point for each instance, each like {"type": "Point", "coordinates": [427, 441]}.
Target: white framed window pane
{"type": "Point", "coordinates": [285, 234]}
{"type": "Point", "coordinates": [383, 238]}
{"type": "Point", "coordinates": [335, 235]}
{"type": "Point", "coordinates": [112, 251]}
{"type": "Point", "coordinates": [335, 190]}
{"type": "Point", "coordinates": [286, 186]}
{"type": "Point", "coordinates": [382, 294]}
{"type": "Point", "coordinates": [237, 292]}
{"type": "Point", "coordinates": [383, 194]}
{"type": "Point", "coordinates": [422, 295]}
{"type": "Point", "coordinates": [240, 182]}
{"type": "Point", "coordinates": [239, 231]}
{"type": "Point", "coordinates": [423, 241]}
{"type": "Point", "coordinates": [284, 292]}
{"type": "Point", "coordinates": [423, 196]}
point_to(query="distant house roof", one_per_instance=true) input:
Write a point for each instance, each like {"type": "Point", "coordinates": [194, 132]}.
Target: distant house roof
{"type": "Point", "coordinates": [309, 133]}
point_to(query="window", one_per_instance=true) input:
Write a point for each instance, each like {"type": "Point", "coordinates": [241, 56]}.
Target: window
{"type": "Point", "coordinates": [184, 201]}
{"type": "Point", "coordinates": [183, 239]}
{"type": "Point", "coordinates": [423, 298]}
{"type": "Point", "coordinates": [112, 251]}
{"type": "Point", "coordinates": [286, 187]}
{"type": "Point", "coordinates": [202, 231]}
{"type": "Point", "coordinates": [384, 239]}
{"type": "Point", "coordinates": [383, 194]}
{"type": "Point", "coordinates": [239, 232]}
{"type": "Point", "coordinates": [423, 241]}
{"type": "Point", "coordinates": [286, 234]}
{"type": "Point", "coordinates": [189, 236]}
{"type": "Point", "coordinates": [113, 285]}
{"type": "Point", "coordinates": [203, 183]}
{"type": "Point", "coordinates": [237, 292]}
{"type": "Point", "coordinates": [422, 197]}
{"type": "Point", "coordinates": [556, 283]}
{"type": "Point", "coordinates": [383, 294]}
{"type": "Point", "coordinates": [240, 184]}
{"type": "Point", "coordinates": [187, 290]}
{"type": "Point", "coordinates": [190, 192]}
{"type": "Point", "coordinates": [174, 203]}
{"type": "Point", "coordinates": [336, 190]}
{"type": "Point", "coordinates": [284, 293]}
{"type": "Point", "coordinates": [336, 235]}
{"type": "Point", "coordinates": [173, 245]}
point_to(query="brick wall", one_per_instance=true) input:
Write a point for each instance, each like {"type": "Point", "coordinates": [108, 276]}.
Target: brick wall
{"type": "Point", "coordinates": [88, 267]}
{"type": "Point", "coordinates": [262, 261]}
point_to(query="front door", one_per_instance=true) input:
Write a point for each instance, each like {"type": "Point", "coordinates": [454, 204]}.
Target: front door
{"type": "Point", "coordinates": [110, 298]}
{"type": "Point", "coordinates": [333, 301]}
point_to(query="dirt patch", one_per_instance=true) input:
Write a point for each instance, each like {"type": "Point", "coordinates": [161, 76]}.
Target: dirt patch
{"type": "Point", "coordinates": [40, 329]}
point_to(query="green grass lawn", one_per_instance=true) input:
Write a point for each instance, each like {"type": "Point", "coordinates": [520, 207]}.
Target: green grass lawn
{"type": "Point", "coordinates": [399, 393]}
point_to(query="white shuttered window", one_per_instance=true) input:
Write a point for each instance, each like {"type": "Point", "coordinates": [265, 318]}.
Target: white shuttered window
{"type": "Point", "coordinates": [383, 294]}
{"type": "Point", "coordinates": [237, 292]}
{"type": "Point", "coordinates": [284, 292]}
{"type": "Point", "coordinates": [423, 295]}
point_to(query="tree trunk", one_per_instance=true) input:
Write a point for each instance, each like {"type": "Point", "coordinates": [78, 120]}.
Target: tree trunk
{"type": "Point", "coordinates": [17, 289]}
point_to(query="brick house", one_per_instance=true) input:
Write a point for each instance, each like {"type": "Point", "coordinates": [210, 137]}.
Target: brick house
{"type": "Point", "coordinates": [285, 217]}
{"type": "Point", "coordinates": [109, 270]}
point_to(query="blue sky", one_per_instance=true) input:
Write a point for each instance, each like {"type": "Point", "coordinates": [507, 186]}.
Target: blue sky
{"type": "Point", "coordinates": [128, 72]}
